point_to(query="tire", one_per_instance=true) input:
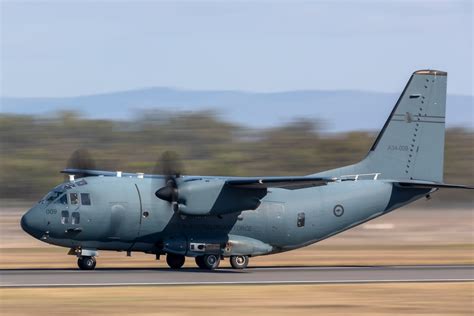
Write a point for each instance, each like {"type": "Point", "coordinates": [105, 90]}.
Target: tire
{"type": "Point", "coordinates": [200, 262]}
{"type": "Point", "coordinates": [211, 262]}
{"type": "Point", "coordinates": [86, 263]}
{"type": "Point", "coordinates": [239, 262]}
{"type": "Point", "coordinates": [175, 261]}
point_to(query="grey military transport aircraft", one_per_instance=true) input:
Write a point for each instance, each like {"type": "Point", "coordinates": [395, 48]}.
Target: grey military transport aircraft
{"type": "Point", "coordinates": [211, 218]}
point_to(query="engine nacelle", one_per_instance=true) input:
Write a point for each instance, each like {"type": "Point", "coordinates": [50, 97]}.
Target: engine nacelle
{"type": "Point", "coordinates": [214, 197]}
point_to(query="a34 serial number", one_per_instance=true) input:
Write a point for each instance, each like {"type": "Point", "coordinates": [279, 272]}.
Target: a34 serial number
{"type": "Point", "coordinates": [397, 147]}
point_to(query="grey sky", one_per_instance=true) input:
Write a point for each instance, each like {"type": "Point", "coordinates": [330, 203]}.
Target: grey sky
{"type": "Point", "coordinates": [65, 48]}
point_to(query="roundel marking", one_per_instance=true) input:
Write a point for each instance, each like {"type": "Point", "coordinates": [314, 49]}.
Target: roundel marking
{"type": "Point", "coordinates": [338, 210]}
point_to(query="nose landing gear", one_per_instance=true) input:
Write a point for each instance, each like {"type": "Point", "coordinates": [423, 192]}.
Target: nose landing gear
{"type": "Point", "coordinates": [86, 263]}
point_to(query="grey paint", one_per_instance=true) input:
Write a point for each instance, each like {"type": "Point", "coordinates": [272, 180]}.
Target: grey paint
{"type": "Point", "coordinates": [221, 213]}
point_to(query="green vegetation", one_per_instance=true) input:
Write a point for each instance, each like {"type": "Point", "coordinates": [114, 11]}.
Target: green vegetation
{"type": "Point", "coordinates": [35, 149]}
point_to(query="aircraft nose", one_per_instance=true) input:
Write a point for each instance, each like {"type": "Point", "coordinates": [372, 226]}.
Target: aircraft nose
{"type": "Point", "coordinates": [32, 222]}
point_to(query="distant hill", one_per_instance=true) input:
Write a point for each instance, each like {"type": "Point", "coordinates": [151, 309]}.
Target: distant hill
{"type": "Point", "coordinates": [338, 110]}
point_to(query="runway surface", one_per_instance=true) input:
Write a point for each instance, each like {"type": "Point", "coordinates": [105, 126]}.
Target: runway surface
{"type": "Point", "coordinates": [261, 275]}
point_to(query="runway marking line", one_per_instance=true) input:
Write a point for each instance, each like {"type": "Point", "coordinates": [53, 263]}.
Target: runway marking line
{"type": "Point", "coordinates": [233, 283]}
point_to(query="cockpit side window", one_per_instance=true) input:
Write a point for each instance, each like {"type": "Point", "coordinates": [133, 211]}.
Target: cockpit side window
{"type": "Point", "coordinates": [74, 198]}
{"type": "Point", "coordinates": [85, 199]}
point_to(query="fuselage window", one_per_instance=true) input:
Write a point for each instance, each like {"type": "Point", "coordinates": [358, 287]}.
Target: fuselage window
{"type": "Point", "coordinates": [63, 199]}
{"type": "Point", "coordinates": [76, 218]}
{"type": "Point", "coordinates": [64, 217]}
{"type": "Point", "coordinates": [85, 199]}
{"type": "Point", "coordinates": [74, 198]}
{"type": "Point", "coordinates": [300, 219]}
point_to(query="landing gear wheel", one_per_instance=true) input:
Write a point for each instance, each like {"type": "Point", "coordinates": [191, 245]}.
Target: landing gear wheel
{"type": "Point", "coordinates": [86, 263]}
{"type": "Point", "coordinates": [239, 262]}
{"type": "Point", "coordinates": [200, 262]}
{"type": "Point", "coordinates": [211, 262]}
{"type": "Point", "coordinates": [175, 261]}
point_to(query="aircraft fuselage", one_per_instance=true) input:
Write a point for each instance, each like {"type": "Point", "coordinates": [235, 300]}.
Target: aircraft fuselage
{"type": "Point", "coordinates": [124, 215]}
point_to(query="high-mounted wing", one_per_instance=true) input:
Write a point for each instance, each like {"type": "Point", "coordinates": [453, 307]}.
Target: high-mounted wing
{"type": "Point", "coordinates": [290, 183]}
{"type": "Point", "coordinates": [96, 173]}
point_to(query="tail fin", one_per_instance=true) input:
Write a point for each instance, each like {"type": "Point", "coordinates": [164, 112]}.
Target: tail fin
{"type": "Point", "coordinates": [411, 143]}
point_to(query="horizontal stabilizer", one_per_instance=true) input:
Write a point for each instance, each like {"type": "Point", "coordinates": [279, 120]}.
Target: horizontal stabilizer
{"type": "Point", "coordinates": [290, 183]}
{"type": "Point", "coordinates": [429, 185]}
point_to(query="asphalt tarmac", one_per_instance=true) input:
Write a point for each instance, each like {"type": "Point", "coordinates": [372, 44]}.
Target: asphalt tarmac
{"type": "Point", "coordinates": [260, 275]}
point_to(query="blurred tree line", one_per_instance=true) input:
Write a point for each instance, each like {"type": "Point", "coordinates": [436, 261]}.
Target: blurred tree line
{"type": "Point", "coordinates": [34, 149]}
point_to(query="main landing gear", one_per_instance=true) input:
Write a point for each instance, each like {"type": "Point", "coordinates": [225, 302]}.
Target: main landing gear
{"type": "Point", "coordinates": [208, 262]}
{"type": "Point", "coordinates": [211, 262]}
{"type": "Point", "coordinates": [86, 263]}
{"type": "Point", "coordinates": [175, 261]}
{"type": "Point", "coordinates": [239, 262]}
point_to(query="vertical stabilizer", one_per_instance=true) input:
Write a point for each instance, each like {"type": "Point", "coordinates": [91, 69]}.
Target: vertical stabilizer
{"type": "Point", "coordinates": [411, 143]}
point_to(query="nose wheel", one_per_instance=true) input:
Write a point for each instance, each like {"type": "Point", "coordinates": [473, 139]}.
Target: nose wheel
{"type": "Point", "coordinates": [86, 263]}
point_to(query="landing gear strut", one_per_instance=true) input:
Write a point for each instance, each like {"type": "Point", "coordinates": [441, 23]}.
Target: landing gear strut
{"type": "Point", "coordinates": [175, 261]}
{"type": "Point", "coordinates": [239, 262]}
{"type": "Point", "coordinates": [86, 263]}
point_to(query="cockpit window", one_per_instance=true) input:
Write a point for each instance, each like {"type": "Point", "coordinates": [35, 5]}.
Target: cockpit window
{"type": "Point", "coordinates": [74, 198]}
{"type": "Point", "coordinates": [63, 199]}
{"type": "Point", "coordinates": [50, 197]}
{"type": "Point", "coordinates": [85, 199]}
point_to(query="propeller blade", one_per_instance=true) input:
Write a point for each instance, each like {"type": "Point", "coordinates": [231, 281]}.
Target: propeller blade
{"type": "Point", "coordinates": [81, 159]}
{"type": "Point", "coordinates": [171, 164]}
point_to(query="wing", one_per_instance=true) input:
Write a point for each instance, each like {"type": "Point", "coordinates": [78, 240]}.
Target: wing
{"type": "Point", "coordinates": [290, 183]}
{"type": "Point", "coordinates": [96, 173]}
